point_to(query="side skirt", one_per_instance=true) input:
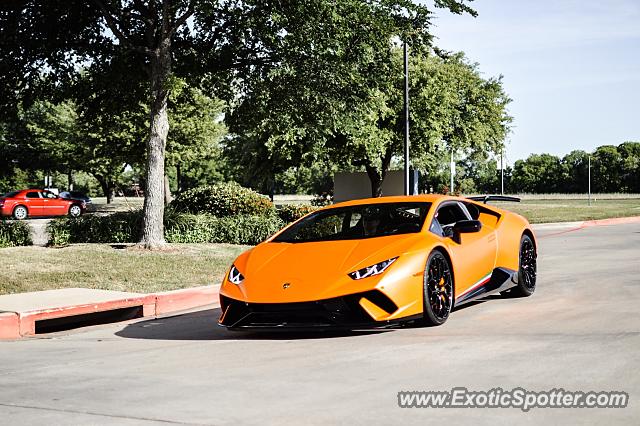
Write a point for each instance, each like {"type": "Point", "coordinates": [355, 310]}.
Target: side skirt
{"type": "Point", "coordinates": [501, 279]}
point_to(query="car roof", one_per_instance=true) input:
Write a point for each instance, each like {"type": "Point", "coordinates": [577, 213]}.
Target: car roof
{"type": "Point", "coordinates": [420, 198]}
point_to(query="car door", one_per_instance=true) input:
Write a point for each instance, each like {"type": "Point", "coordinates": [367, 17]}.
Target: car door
{"type": "Point", "coordinates": [53, 206]}
{"type": "Point", "coordinates": [35, 203]}
{"type": "Point", "coordinates": [473, 254]}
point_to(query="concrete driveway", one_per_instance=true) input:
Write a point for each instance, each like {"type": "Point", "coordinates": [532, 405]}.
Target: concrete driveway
{"type": "Point", "coordinates": [579, 331]}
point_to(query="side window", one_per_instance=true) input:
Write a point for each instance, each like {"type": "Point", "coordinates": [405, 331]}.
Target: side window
{"type": "Point", "coordinates": [48, 194]}
{"type": "Point", "coordinates": [446, 217]}
{"type": "Point", "coordinates": [33, 195]}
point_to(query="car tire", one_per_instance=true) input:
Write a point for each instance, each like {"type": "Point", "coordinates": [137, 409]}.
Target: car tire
{"type": "Point", "coordinates": [20, 213]}
{"type": "Point", "coordinates": [438, 288]}
{"type": "Point", "coordinates": [75, 210]}
{"type": "Point", "coordinates": [527, 268]}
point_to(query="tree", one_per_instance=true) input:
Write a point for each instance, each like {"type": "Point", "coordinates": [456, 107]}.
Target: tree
{"type": "Point", "coordinates": [452, 106]}
{"type": "Point", "coordinates": [196, 129]}
{"type": "Point", "coordinates": [197, 39]}
{"type": "Point", "coordinates": [630, 171]}
{"type": "Point", "coordinates": [606, 166]}
{"type": "Point", "coordinates": [575, 167]}
{"type": "Point", "coordinates": [539, 173]}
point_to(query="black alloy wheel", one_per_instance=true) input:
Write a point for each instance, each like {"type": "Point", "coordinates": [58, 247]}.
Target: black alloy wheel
{"type": "Point", "coordinates": [438, 289]}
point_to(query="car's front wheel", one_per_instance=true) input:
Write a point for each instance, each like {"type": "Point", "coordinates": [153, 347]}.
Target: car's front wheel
{"type": "Point", "coordinates": [438, 289]}
{"type": "Point", "coordinates": [20, 213]}
{"type": "Point", "coordinates": [75, 210]}
{"type": "Point", "coordinates": [527, 271]}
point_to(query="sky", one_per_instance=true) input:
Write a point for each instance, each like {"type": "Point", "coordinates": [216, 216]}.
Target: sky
{"type": "Point", "coordinates": [572, 68]}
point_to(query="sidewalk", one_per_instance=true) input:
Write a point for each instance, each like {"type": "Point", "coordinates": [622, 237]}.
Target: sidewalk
{"type": "Point", "coordinates": [28, 314]}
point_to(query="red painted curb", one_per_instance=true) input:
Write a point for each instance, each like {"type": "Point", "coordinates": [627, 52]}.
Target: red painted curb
{"type": "Point", "coordinates": [15, 325]}
{"type": "Point", "coordinates": [596, 222]}
{"type": "Point", "coordinates": [180, 300]}
{"type": "Point", "coordinates": [9, 325]}
{"type": "Point", "coordinates": [612, 221]}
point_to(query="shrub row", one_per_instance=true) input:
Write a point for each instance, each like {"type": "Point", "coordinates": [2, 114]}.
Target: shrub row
{"type": "Point", "coordinates": [121, 227]}
{"type": "Point", "coordinates": [206, 228]}
{"type": "Point", "coordinates": [222, 200]}
{"type": "Point", "coordinates": [179, 228]}
{"type": "Point", "coordinates": [14, 233]}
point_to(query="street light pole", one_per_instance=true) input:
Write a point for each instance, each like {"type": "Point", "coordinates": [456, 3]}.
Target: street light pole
{"type": "Point", "coordinates": [501, 173]}
{"type": "Point", "coordinates": [406, 121]}
{"type": "Point", "coordinates": [452, 172]}
{"type": "Point", "coordinates": [589, 180]}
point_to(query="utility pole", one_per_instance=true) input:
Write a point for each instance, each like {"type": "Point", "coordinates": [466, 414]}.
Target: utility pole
{"type": "Point", "coordinates": [406, 121]}
{"type": "Point", "coordinates": [589, 180]}
{"type": "Point", "coordinates": [501, 173]}
{"type": "Point", "coordinates": [453, 172]}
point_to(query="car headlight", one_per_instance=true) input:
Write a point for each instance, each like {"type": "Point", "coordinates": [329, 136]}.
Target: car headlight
{"type": "Point", "coordinates": [235, 276]}
{"type": "Point", "coordinates": [372, 270]}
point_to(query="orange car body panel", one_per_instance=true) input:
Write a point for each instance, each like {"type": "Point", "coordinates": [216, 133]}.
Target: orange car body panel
{"type": "Point", "coordinates": [318, 270]}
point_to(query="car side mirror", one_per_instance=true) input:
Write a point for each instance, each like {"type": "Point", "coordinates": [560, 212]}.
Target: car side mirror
{"type": "Point", "coordinates": [467, 226]}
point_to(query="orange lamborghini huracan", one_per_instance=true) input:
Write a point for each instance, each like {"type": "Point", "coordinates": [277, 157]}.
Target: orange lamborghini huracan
{"type": "Point", "coordinates": [378, 262]}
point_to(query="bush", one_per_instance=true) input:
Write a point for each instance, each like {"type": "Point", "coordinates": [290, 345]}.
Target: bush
{"type": "Point", "coordinates": [206, 228]}
{"type": "Point", "coordinates": [121, 227]}
{"type": "Point", "coordinates": [222, 200]}
{"type": "Point", "coordinates": [179, 228]}
{"type": "Point", "coordinates": [14, 234]}
{"type": "Point", "coordinates": [292, 212]}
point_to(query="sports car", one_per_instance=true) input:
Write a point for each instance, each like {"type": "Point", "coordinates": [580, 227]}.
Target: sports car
{"type": "Point", "coordinates": [380, 262]}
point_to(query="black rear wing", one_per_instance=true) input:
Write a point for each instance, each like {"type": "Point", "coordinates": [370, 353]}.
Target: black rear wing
{"type": "Point", "coordinates": [487, 198]}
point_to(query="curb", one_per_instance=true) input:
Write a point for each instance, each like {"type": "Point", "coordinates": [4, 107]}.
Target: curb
{"type": "Point", "coordinates": [180, 300]}
{"type": "Point", "coordinates": [14, 325]}
{"type": "Point", "coordinates": [594, 222]}
{"type": "Point", "coordinates": [576, 226]}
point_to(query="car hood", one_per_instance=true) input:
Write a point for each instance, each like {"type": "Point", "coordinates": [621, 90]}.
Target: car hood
{"type": "Point", "coordinates": [314, 270]}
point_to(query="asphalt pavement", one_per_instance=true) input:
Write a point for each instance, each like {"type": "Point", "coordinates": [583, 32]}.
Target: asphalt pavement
{"type": "Point", "coordinates": [580, 331]}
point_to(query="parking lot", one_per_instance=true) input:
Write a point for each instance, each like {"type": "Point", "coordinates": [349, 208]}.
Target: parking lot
{"type": "Point", "coordinates": [579, 331]}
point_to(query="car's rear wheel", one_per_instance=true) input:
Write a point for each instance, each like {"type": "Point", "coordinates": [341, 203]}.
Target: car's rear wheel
{"type": "Point", "coordinates": [20, 213]}
{"type": "Point", "coordinates": [438, 289]}
{"type": "Point", "coordinates": [527, 270]}
{"type": "Point", "coordinates": [75, 210]}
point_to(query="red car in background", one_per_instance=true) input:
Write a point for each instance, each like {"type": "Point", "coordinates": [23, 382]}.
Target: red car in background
{"type": "Point", "coordinates": [38, 202]}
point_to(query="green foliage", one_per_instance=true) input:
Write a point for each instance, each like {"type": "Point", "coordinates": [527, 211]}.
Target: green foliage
{"type": "Point", "coordinates": [292, 212]}
{"type": "Point", "coordinates": [224, 199]}
{"type": "Point", "coordinates": [206, 228]}
{"type": "Point", "coordinates": [613, 169]}
{"type": "Point", "coordinates": [125, 227]}
{"type": "Point", "coordinates": [14, 233]}
{"type": "Point", "coordinates": [121, 227]}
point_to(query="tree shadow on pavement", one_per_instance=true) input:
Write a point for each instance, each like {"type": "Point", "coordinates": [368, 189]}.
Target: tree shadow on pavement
{"type": "Point", "coordinates": [203, 325]}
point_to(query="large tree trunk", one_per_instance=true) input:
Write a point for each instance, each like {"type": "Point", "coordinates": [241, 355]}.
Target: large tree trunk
{"type": "Point", "coordinates": [153, 214]}
{"type": "Point", "coordinates": [167, 191]}
{"type": "Point", "coordinates": [376, 181]}
{"type": "Point", "coordinates": [106, 186]}
{"type": "Point", "coordinates": [179, 177]}
{"type": "Point", "coordinates": [376, 177]}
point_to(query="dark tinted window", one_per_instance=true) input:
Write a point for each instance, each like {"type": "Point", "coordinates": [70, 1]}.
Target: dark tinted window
{"type": "Point", "coordinates": [33, 195]}
{"type": "Point", "coordinates": [357, 222]}
{"type": "Point", "coordinates": [11, 194]}
{"type": "Point", "coordinates": [450, 214]}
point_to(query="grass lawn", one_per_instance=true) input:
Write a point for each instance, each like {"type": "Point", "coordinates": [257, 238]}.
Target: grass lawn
{"type": "Point", "coordinates": [568, 210]}
{"type": "Point", "coordinates": [102, 267]}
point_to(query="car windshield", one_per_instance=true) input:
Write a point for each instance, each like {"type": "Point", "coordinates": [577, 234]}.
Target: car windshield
{"type": "Point", "coordinates": [357, 222]}
{"type": "Point", "coordinates": [10, 194]}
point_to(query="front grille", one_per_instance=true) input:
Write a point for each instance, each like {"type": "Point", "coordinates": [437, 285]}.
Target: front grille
{"type": "Point", "coordinates": [339, 311]}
